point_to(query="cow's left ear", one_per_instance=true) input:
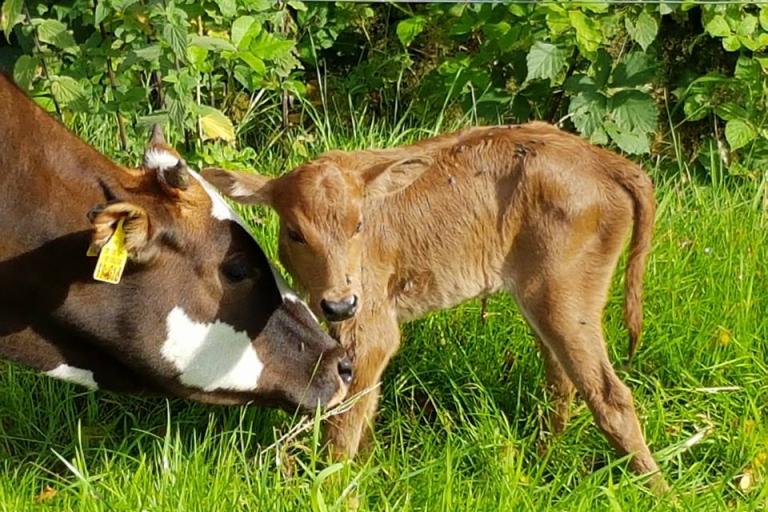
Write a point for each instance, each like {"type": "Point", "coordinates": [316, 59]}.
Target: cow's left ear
{"type": "Point", "coordinates": [162, 160]}
{"type": "Point", "coordinates": [136, 224]}
{"type": "Point", "coordinates": [390, 177]}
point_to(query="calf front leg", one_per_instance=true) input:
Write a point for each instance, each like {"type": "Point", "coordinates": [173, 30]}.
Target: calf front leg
{"type": "Point", "coordinates": [371, 341]}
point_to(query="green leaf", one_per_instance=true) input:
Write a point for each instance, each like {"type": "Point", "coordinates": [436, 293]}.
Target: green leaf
{"type": "Point", "coordinates": [731, 110]}
{"type": "Point", "coordinates": [55, 33]}
{"type": "Point", "coordinates": [24, 71]}
{"type": "Point", "coordinates": [588, 31]}
{"type": "Point", "coordinates": [747, 25]}
{"type": "Point", "coordinates": [557, 18]}
{"type": "Point", "coordinates": [763, 17]}
{"type": "Point", "coordinates": [496, 30]}
{"type": "Point", "coordinates": [175, 33]}
{"type": "Point", "coordinates": [65, 89]}
{"type": "Point", "coordinates": [602, 67]}
{"type": "Point", "coordinates": [215, 44]}
{"type": "Point", "coordinates": [633, 111]}
{"type": "Point", "coordinates": [633, 70]}
{"type": "Point", "coordinates": [409, 28]}
{"type": "Point", "coordinates": [739, 133]}
{"type": "Point", "coordinates": [268, 47]}
{"type": "Point", "coordinates": [215, 125]}
{"type": "Point", "coordinates": [644, 30]}
{"type": "Point", "coordinates": [581, 83]}
{"type": "Point", "coordinates": [9, 16]}
{"type": "Point", "coordinates": [747, 69]}
{"type": "Point", "coordinates": [227, 7]}
{"type": "Point", "coordinates": [545, 61]}
{"type": "Point", "coordinates": [256, 64]}
{"type": "Point", "coordinates": [634, 143]}
{"type": "Point", "coordinates": [100, 12]}
{"type": "Point", "coordinates": [240, 28]}
{"type": "Point", "coordinates": [197, 57]}
{"type": "Point", "coordinates": [717, 26]}
{"type": "Point", "coordinates": [588, 109]}
{"type": "Point", "coordinates": [149, 53]}
{"type": "Point", "coordinates": [731, 43]}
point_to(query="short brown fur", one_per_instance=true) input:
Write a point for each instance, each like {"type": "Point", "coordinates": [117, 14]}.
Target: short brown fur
{"type": "Point", "coordinates": [528, 209]}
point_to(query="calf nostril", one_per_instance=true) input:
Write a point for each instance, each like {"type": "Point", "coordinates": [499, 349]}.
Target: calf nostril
{"type": "Point", "coordinates": [327, 307]}
{"type": "Point", "coordinates": [336, 311]}
{"type": "Point", "coordinates": [345, 371]}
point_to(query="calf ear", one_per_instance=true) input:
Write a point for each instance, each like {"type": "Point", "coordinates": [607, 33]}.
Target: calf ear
{"type": "Point", "coordinates": [136, 225]}
{"type": "Point", "coordinates": [246, 188]}
{"type": "Point", "coordinates": [390, 177]}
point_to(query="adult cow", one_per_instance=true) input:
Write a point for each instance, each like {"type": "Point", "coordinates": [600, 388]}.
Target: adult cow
{"type": "Point", "coordinates": [198, 313]}
{"type": "Point", "coordinates": [384, 236]}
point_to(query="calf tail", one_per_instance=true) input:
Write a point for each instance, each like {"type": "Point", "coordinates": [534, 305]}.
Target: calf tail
{"type": "Point", "coordinates": [640, 187]}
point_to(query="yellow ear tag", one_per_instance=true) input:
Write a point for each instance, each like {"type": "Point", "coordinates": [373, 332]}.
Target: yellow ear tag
{"type": "Point", "coordinates": [112, 258]}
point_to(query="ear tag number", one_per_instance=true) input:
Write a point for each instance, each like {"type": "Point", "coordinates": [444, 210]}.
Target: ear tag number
{"type": "Point", "coordinates": [112, 258]}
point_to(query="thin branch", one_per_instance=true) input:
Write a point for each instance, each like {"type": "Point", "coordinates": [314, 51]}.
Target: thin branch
{"type": "Point", "coordinates": [113, 85]}
{"type": "Point", "coordinates": [39, 49]}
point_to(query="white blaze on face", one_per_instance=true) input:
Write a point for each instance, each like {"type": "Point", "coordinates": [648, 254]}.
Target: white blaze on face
{"type": "Point", "coordinates": [74, 375]}
{"type": "Point", "coordinates": [210, 356]}
{"type": "Point", "coordinates": [219, 208]}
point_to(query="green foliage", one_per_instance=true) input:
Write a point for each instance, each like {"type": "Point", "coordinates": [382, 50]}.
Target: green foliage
{"type": "Point", "coordinates": [238, 71]}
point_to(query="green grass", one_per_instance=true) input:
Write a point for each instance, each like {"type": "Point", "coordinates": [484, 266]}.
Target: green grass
{"type": "Point", "coordinates": [462, 406]}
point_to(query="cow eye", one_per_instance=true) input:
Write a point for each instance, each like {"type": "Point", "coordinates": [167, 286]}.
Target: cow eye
{"type": "Point", "coordinates": [359, 227]}
{"type": "Point", "coordinates": [235, 270]}
{"type": "Point", "coordinates": [296, 236]}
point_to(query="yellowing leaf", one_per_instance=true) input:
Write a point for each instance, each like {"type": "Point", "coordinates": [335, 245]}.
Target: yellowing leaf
{"type": "Point", "coordinates": [215, 125]}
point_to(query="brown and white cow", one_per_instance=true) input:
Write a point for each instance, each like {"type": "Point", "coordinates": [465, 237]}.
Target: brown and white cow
{"type": "Point", "coordinates": [198, 312]}
{"type": "Point", "coordinates": [385, 236]}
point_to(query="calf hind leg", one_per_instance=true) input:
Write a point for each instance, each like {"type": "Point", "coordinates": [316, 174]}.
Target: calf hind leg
{"type": "Point", "coordinates": [571, 331]}
{"type": "Point", "coordinates": [560, 388]}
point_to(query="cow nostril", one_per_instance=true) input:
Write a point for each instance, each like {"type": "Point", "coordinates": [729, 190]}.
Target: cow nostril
{"type": "Point", "coordinates": [345, 371]}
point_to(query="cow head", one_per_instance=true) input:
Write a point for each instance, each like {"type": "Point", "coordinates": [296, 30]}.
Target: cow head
{"type": "Point", "coordinates": [229, 325]}
{"type": "Point", "coordinates": [321, 206]}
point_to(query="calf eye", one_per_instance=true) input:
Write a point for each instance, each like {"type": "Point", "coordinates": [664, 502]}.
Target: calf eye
{"type": "Point", "coordinates": [359, 227]}
{"type": "Point", "coordinates": [295, 236]}
{"type": "Point", "coordinates": [235, 270]}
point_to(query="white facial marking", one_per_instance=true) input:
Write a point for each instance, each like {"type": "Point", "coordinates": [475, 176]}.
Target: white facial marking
{"type": "Point", "coordinates": [157, 158]}
{"type": "Point", "coordinates": [210, 356]}
{"type": "Point", "coordinates": [74, 375]}
{"type": "Point", "coordinates": [219, 208]}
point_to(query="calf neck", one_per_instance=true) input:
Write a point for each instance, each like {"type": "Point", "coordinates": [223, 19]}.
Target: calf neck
{"type": "Point", "coordinates": [527, 209]}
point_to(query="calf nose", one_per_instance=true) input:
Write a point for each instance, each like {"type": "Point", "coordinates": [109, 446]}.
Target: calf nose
{"type": "Point", "coordinates": [338, 310]}
{"type": "Point", "coordinates": [345, 371]}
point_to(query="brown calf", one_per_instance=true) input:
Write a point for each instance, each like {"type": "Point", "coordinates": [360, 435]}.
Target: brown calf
{"type": "Point", "coordinates": [385, 236]}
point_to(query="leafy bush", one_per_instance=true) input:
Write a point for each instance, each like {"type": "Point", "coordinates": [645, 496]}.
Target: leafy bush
{"type": "Point", "coordinates": [226, 69]}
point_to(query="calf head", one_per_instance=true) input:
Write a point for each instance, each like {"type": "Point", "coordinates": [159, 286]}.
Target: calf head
{"type": "Point", "coordinates": [229, 325]}
{"type": "Point", "coordinates": [322, 206]}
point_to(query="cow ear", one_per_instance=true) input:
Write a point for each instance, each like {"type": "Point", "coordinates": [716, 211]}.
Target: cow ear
{"type": "Point", "coordinates": [246, 188]}
{"type": "Point", "coordinates": [136, 225]}
{"type": "Point", "coordinates": [171, 170]}
{"type": "Point", "coordinates": [390, 177]}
